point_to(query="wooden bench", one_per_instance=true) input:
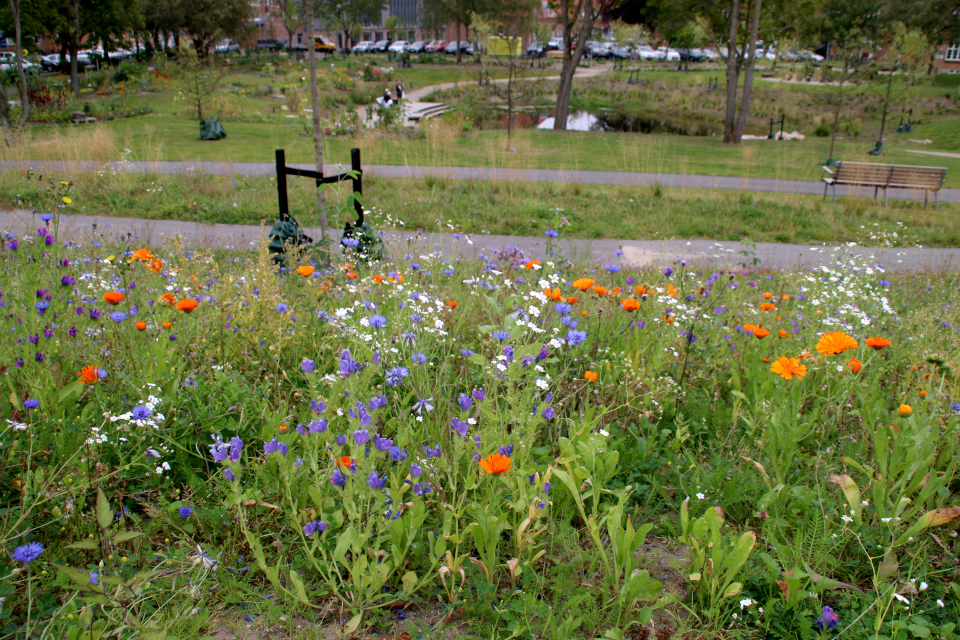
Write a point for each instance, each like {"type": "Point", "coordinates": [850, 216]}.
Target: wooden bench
{"type": "Point", "coordinates": [885, 176]}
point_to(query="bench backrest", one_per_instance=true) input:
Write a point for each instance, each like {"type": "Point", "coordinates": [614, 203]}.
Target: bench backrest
{"type": "Point", "coordinates": [930, 178]}
{"type": "Point", "coordinates": [870, 173]}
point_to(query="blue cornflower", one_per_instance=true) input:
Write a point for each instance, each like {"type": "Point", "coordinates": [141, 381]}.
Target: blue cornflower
{"type": "Point", "coordinates": [575, 337]}
{"type": "Point", "coordinates": [395, 375]}
{"type": "Point", "coordinates": [500, 335]}
{"type": "Point", "coordinates": [350, 242]}
{"type": "Point", "coordinates": [668, 272]}
{"type": "Point", "coordinates": [562, 308]}
{"type": "Point", "coordinates": [613, 268]}
{"type": "Point", "coordinates": [569, 321]}
{"type": "Point", "coordinates": [140, 412]}
{"type": "Point", "coordinates": [448, 272]}
{"type": "Point", "coordinates": [27, 553]}
{"type": "Point", "coordinates": [185, 512]}
{"type": "Point", "coordinates": [31, 403]}
{"type": "Point", "coordinates": [884, 283]}
{"type": "Point", "coordinates": [551, 233]}
{"type": "Point", "coordinates": [423, 404]}
{"type": "Point", "coordinates": [466, 352]}
{"type": "Point", "coordinates": [282, 308]}
{"type": "Point", "coordinates": [118, 316]}
{"type": "Point", "coordinates": [46, 217]}
{"type": "Point", "coordinates": [377, 321]}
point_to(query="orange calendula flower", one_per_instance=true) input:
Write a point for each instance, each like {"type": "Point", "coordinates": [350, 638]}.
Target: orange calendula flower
{"type": "Point", "coordinates": [630, 304]}
{"type": "Point", "coordinates": [305, 270]}
{"type": "Point", "coordinates": [767, 306]}
{"type": "Point", "coordinates": [784, 297]}
{"type": "Point", "coordinates": [583, 284]}
{"type": "Point", "coordinates": [905, 410]}
{"type": "Point", "coordinates": [600, 290]}
{"type": "Point", "coordinates": [143, 255]}
{"type": "Point", "coordinates": [671, 291]}
{"type": "Point", "coordinates": [640, 290]}
{"type": "Point", "coordinates": [283, 428]}
{"type": "Point", "coordinates": [570, 299]}
{"type": "Point", "coordinates": [616, 291]}
{"type": "Point", "coordinates": [346, 266]}
{"type": "Point", "coordinates": [113, 297]}
{"type": "Point", "coordinates": [766, 359]}
{"type": "Point", "coordinates": [345, 461]}
{"type": "Point", "coordinates": [166, 325]}
{"type": "Point", "coordinates": [88, 375]}
{"type": "Point", "coordinates": [788, 368]}
{"type": "Point", "coordinates": [187, 305]}
{"type": "Point", "coordinates": [378, 279]}
{"type": "Point", "coordinates": [553, 294]}
{"type": "Point", "coordinates": [877, 343]}
{"type": "Point", "coordinates": [760, 333]}
{"type": "Point", "coordinates": [141, 325]}
{"type": "Point", "coordinates": [532, 264]}
{"type": "Point", "coordinates": [923, 393]}
{"type": "Point", "coordinates": [352, 275]}
{"type": "Point", "coordinates": [591, 376]}
{"type": "Point", "coordinates": [855, 365]}
{"type": "Point", "coordinates": [834, 343]}
{"type": "Point", "coordinates": [750, 327]}
{"type": "Point", "coordinates": [452, 304]}
{"type": "Point", "coordinates": [668, 319]}
{"type": "Point", "coordinates": [585, 312]}
{"type": "Point", "coordinates": [395, 278]}
{"type": "Point", "coordinates": [767, 295]}
{"type": "Point", "coordinates": [168, 299]}
{"type": "Point", "coordinates": [156, 266]}
{"type": "Point", "coordinates": [783, 334]}
{"type": "Point", "coordinates": [495, 464]}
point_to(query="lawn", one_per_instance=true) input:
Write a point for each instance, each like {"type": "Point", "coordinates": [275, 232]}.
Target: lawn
{"type": "Point", "coordinates": [202, 444]}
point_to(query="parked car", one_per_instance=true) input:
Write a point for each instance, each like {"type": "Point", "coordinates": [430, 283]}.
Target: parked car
{"type": "Point", "coordinates": [363, 46]}
{"type": "Point", "coordinates": [398, 47]}
{"type": "Point", "coordinates": [416, 47]}
{"type": "Point", "coordinates": [465, 47]}
{"type": "Point", "coordinates": [270, 44]}
{"type": "Point", "coordinates": [646, 52]}
{"type": "Point", "coordinates": [622, 52]}
{"type": "Point", "coordinates": [599, 49]}
{"type": "Point", "coordinates": [536, 50]}
{"type": "Point", "coordinates": [8, 62]}
{"type": "Point", "coordinates": [436, 46]}
{"type": "Point", "coordinates": [670, 55]}
{"type": "Point", "coordinates": [380, 46]}
{"type": "Point", "coordinates": [228, 46]}
{"type": "Point", "coordinates": [709, 55]}
{"type": "Point", "coordinates": [50, 62]}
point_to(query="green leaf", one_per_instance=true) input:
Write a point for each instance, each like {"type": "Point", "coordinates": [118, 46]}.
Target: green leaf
{"type": "Point", "coordinates": [353, 625]}
{"type": "Point", "coordinates": [71, 392]}
{"type": "Point", "coordinates": [919, 631]}
{"type": "Point", "coordinates": [104, 513]}
{"type": "Point", "coordinates": [409, 582]}
{"type": "Point", "coordinates": [889, 568]}
{"type": "Point", "coordinates": [733, 590]}
{"type": "Point", "coordinates": [298, 587]}
{"type": "Point", "coordinates": [124, 536]}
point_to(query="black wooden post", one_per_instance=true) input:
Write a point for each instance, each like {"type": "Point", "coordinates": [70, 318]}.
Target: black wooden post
{"type": "Point", "coordinates": [357, 183]}
{"type": "Point", "coordinates": [282, 184]}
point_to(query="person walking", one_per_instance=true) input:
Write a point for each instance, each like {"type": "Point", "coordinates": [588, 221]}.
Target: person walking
{"type": "Point", "coordinates": [399, 92]}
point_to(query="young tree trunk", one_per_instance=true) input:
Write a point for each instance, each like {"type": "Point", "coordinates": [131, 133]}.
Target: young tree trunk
{"type": "Point", "coordinates": [836, 110]}
{"type": "Point", "coordinates": [747, 93]}
{"type": "Point", "coordinates": [74, 48]}
{"type": "Point", "coordinates": [733, 75]}
{"type": "Point", "coordinates": [24, 96]}
{"type": "Point", "coordinates": [886, 107]}
{"type": "Point", "coordinates": [315, 116]}
{"type": "Point", "coordinates": [571, 57]}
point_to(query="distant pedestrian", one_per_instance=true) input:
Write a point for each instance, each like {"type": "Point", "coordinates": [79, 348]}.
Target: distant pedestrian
{"type": "Point", "coordinates": [399, 92]}
{"type": "Point", "coordinates": [387, 98]}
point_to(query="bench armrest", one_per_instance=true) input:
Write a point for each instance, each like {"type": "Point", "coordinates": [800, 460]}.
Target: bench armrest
{"type": "Point", "coordinates": [825, 168]}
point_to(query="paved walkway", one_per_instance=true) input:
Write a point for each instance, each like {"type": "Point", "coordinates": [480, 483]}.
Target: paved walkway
{"type": "Point", "coordinates": [635, 252]}
{"type": "Point", "coordinates": [942, 154]}
{"type": "Point", "coordinates": [669, 180]}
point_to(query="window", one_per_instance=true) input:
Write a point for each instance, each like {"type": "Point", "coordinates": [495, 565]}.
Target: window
{"type": "Point", "coordinates": [953, 53]}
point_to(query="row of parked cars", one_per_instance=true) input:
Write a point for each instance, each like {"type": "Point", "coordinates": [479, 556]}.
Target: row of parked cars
{"type": "Point", "coordinates": [86, 58]}
{"type": "Point", "coordinates": [420, 46]}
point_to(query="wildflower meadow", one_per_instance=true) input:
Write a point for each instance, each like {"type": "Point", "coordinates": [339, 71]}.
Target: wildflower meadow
{"type": "Point", "coordinates": [209, 444]}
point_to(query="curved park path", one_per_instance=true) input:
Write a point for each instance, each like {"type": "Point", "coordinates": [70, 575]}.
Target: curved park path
{"type": "Point", "coordinates": [635, 252]}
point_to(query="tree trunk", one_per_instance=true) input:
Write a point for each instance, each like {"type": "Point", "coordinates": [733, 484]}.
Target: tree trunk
{"type": "Point", "coordinates": [886, 107]}
{"type": "Point", "coordinates": [24, 96]}
{"type": "Point", "coordinates": [571, 57]}
{"type": "Point", "coordinates": [315, 116]}
{"type": "Point", "coordinates": [747, 93]}
{"type": "Point", "coordinates": [733, 75]}
{"type": "Point", "coordinates": [836, 111]}
{"type": "Point", "coordinates": [74, 48]}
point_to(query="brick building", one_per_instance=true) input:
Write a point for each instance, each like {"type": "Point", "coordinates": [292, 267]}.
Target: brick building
{"type": "Point", "coordinates": [947, 59]}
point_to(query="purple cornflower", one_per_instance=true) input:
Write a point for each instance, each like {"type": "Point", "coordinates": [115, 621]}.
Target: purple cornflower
{"type": "Point", "coordinates": [375, 481]}
{"type": "Point", "coordinates": [316, 526]}
{"type": "Point", "coordinates": [274, 446]}
{"type": "Point", "coordinates": [68, 281]}
{"type": "Point", "coordinates": [508, 353]}
{"type": "Point", "coordinates": [185, 512]}
{"type": "Point", "coordinates": [668, 272]}
{"type": "Point", "coordinates": [460, 426]}
{"type": "Point", "coordinates": [466, 353]}
{"type": "Point", "coordinates": [27, 553]}
{"type": "Point", "coordinates": [829, 619]}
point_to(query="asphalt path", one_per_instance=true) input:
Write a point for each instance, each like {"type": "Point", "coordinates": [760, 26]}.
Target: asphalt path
{"type": "Point", "coordinates": [668, 180]}
{"type": "Point", "coordinates": [153, 233]}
